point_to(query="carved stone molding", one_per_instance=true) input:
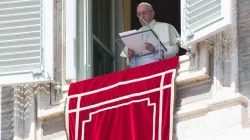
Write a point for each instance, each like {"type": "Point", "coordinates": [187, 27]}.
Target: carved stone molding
{"type": "Point", "coordinates": [225, 100]}
{"type": "Point", "coordinates": [196, 67]}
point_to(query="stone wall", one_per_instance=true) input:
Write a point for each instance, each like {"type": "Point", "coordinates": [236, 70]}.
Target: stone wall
{"type": "Point", "coordinates": [209, 109]}
{"type": "Point", "coordinates": [219, 109]}
{"type": "Point", "coordinates": [244, 46]}
{"type": "Point", "coordinates": [7, 113]}
{"type": "Point", "coordinates": [223, 124]}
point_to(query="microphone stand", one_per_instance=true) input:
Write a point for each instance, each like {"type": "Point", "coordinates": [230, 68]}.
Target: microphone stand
{"type": "Point", "coordinates": [161, 52]}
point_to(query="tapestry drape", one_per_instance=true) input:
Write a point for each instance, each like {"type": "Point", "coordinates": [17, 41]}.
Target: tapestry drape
{"type": "Point", "coordinates": [133, 104]}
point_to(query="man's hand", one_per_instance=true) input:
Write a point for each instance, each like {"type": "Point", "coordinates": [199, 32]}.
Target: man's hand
{"type": "Point", "coordinates": [131, 53]}
{"type": "Point", "coordinates": [150, 47]}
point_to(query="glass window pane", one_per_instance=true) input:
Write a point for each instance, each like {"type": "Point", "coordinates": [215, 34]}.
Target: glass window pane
{"type": "Point", "coordinates": [103, 63]}
{"type": "Point", "coordinates": [102, 21]}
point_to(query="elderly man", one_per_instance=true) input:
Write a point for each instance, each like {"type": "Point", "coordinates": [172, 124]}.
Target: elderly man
{"type": "Point", "coordinates": [166, 32]}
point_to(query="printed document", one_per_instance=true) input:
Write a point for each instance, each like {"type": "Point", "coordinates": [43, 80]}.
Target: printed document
{"type": "Point", "coordinates": [132, 40]}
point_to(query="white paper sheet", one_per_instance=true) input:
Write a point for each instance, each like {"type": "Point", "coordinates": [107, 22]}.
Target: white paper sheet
{"type": "Point", "coordinates": [133, 42]}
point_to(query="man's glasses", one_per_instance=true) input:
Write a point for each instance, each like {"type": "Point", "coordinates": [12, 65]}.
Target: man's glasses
{"type": "Point", "coordinates": [143, 13]}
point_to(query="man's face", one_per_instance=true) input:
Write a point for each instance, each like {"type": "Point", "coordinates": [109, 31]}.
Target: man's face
{"type": "Point", "coordinates": [145, 12]}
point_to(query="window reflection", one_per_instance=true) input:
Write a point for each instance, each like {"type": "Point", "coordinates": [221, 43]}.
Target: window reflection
{"type": "Point", "coordinates": [102, 21]}
{"type": "Point", "coordinates": [103, 63]}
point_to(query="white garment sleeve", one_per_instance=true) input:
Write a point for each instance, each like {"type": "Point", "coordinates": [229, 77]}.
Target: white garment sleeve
{"type": "Point", "coordinates": [171, 51]}
{"type": "Point", "coordinates": [172, 48]}
{"type": "Point", "coordinates": [127, 62]}
{"type": "Point", "coordinates": [124, 54]}
{"type": "Point", "coordinates": [174, 35]}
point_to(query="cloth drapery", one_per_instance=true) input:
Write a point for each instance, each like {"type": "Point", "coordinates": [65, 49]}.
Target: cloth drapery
{"type": "Point", "coordinates": [133, 104]}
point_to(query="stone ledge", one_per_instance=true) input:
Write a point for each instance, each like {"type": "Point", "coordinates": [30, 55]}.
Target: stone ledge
{"type": "Point", "coordinates": [52, 113]}
{"type": "Point", "coordinates": [192, 77]}
{"type": "Point", "coordinates": [197, 109]}
{"type": "Point", "coordinates": [56, 109]}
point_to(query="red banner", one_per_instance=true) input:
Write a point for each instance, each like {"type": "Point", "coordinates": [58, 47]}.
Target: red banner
{"type": "Point", "coordinates": [134, 104]}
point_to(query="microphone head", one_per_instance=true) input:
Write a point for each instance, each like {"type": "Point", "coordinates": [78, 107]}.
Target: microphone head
{"type": "Point", "coordinates": [143, 21]}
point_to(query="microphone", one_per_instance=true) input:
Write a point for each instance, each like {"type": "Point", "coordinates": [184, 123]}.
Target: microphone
{"type": "Point", "coordinates": [140, 18]}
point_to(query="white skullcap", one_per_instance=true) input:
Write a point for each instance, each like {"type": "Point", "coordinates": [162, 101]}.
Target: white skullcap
{"type": "Point", "coordinates": [145, 3]}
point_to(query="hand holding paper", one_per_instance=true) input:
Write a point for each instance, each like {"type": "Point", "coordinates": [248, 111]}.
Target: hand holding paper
{"type": "Point", "coordinates": [131, 53]}
{"type": "Point", "coordinates": [142, 42]}
{"type": "Point", "coordinates": [149, 47]}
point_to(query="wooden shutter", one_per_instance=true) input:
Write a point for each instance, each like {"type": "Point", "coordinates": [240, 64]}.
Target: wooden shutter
{"type": "Point", "coordinates": [203, 18]}
{"type": "Point", "coordinates": [26, 41]}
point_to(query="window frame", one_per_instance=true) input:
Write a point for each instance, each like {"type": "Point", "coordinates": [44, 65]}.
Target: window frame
{"type": "Point", "coordinates": [85, 39]}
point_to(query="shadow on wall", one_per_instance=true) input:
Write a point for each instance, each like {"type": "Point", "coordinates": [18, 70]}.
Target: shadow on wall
{"type": "Point", "coordinates": [54, 129]}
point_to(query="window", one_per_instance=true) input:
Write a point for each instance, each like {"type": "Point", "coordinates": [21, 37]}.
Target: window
{"type": "Point", "coordinates": [203, 18]}
{"type": "Point", "coordinates": [102, 37]}
{"type": "Point", "coordinates": [95, 54]}
{"type": "Point", "coordinates": [26, 30]}
{"type": "Point", "coordinates": [95, 38]}
{"type": "Point", "coordinates": [199, 20]}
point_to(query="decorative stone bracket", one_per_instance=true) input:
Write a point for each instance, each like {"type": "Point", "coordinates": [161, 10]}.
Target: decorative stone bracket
{"type": "Point", "coordinates": [196, 67]}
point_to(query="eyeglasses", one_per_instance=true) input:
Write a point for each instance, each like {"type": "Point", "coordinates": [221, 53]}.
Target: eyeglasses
{"type": "Point", "coordinates": [143, 13]}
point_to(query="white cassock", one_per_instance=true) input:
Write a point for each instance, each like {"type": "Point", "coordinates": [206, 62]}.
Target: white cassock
{"type": "Point", "coordinates": [167, 34]}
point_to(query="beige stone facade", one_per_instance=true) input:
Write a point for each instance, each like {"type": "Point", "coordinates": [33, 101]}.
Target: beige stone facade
{"type": "Point", "coordinates": [212, 90]}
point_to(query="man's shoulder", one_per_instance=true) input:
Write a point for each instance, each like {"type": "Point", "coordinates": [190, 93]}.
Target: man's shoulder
{"type": "Point", "coordinates": [162, 23]}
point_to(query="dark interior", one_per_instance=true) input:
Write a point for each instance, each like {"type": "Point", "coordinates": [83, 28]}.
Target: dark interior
{"type": "Point", "coordinates": [165, 11]}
